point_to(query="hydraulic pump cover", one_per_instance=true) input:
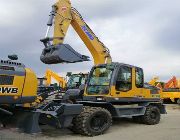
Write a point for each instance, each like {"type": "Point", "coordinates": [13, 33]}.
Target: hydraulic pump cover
{"type": "Point", "coordinates": [62, 53]}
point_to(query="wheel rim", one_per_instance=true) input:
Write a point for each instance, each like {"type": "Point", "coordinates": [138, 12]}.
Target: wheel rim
{"type": "Point", "coordinates": [153, 115]}
{"type": "Point", "coordinates": [98, 122]}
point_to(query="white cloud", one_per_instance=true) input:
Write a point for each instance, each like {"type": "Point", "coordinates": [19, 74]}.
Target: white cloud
{"type": "Point", "coordinates": [15, 12]}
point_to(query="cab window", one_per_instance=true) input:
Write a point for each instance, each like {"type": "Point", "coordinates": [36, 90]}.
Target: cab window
{"type": "Point", "coordinates": [139, 78]}
{"type": "Point", "coordinates": [124, 79]}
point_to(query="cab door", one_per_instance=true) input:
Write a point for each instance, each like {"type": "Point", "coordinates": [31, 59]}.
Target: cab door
{"type": "Point", "coordinates": [129, 82]}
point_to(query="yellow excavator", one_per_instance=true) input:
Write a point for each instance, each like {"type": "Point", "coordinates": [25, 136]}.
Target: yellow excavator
{"type": "Point", "coordinates": [113, 90]}
{"type": "Point", "coordinates": [74, 80]}
{"type": "Point", "coordinates": [154, 81]}
{"type": "Point", "coordinates": [20, 103]}
{"type": "Point", "coordinates": [45, 86]}
{"type": "Point", "coordinates": [51, 74]}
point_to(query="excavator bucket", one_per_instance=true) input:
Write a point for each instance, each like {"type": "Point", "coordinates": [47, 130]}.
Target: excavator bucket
{"type": "Point", "coordinates": [62, 53]}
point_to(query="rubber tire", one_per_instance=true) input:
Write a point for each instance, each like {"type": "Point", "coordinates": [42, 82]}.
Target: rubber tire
{"type": "Point", "coordinates": [178, 101]}
{"type": "Point", "coordinates": [75, 128]}
{"type": "Point", "coordinates": [82, 122]}
{"type": "Point", "coordinates": [147, 119]}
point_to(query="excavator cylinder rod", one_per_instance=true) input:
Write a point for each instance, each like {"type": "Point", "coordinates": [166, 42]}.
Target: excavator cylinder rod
{"type": "Point", "coordinates": [61, 53]}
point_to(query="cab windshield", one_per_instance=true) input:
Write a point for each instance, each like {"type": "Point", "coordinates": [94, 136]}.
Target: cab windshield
{"type": "Point", "coordinates": [99, 81]}
{"type": "Point", "coordinates": [75, 81]}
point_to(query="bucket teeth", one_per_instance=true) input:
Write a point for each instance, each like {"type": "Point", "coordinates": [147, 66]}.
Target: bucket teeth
{"type": "Point", "coordinates": [62, 53]}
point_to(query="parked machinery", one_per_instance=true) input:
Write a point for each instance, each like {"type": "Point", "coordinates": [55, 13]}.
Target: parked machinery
{"type": "Point", "coordinates": [169, 91]}
{"type": "Point", "coordinates": [21, 104]}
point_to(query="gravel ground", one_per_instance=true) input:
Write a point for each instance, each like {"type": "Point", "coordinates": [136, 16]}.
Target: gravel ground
{"type": "Point", "coordinates": [168, 129]}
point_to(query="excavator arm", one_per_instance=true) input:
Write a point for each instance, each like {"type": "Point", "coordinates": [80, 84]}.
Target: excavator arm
{"type": "Point", "coordinates": [62, 16]}
{"type": "Point", "coordinates": [50, 74]}
{"type": "Point", "coordinates": [153, 81]}
{"type": "Point", "coordinates": [172, 83]}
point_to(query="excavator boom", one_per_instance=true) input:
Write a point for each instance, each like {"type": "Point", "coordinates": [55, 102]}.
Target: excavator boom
{"type": "Point", "coordinates": [63, 15]}
{"type": "Point", "coordinates": [172, 83]}
{"type": "Point", "coordinates": [153, 81]}
{"type": "Point", "coordinates": [50, 74]}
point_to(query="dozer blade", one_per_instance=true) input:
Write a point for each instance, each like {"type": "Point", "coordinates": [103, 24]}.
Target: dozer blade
{"type": "Point", "coordinates": [25, 121]}
{"type": "Point", "coordinates": [62, 53]}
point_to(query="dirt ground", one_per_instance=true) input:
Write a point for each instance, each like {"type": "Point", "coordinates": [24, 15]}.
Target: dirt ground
{"type": "Point", "coordinates": [168, 129]}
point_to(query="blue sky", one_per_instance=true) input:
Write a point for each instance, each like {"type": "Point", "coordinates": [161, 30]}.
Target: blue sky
{"type": "Point", "coordinates": [145, 33]}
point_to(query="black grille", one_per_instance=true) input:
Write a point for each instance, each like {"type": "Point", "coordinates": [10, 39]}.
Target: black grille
{"type": "Point", "coordinates": [6, 68]}
{"type": "Point", "coordinates": [10, 62]}
{"type": "Point", "coordinates": [6, 80]}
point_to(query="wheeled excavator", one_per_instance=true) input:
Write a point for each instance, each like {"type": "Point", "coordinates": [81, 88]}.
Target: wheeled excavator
{"type": "Point", "coordinates": [51, 74]}
{"type": "Point", "coordinates": [47, 88]}
{"type": "Point", "coordinates": [73, 82]}
{"type": "Point", "coordinates": [113, 90]}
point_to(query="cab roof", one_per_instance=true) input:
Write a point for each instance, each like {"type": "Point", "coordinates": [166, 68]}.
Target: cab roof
{"type": "Point", "coordinates": [117, 64]}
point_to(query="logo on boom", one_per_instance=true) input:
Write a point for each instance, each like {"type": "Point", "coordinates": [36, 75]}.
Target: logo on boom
{"type": "Point", "coordinates": [85, 29]}
{"type": "Point", "coordinates": [9, 90]}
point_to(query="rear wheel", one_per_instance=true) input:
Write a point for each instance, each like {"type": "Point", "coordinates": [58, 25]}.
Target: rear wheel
{"type": "Point", "coordinates": [152, 115]}
{"type": "Point", "coordinates": [93, 121]}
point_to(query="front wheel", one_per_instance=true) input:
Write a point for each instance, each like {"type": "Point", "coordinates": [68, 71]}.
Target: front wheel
{"type": "Point", "coordinates": [93, 121]}
{"type": "Point", "coordinates": [152, 115]}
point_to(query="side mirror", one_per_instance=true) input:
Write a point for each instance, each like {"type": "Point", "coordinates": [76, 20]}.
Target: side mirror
{"type": "Point", "coordinates": [13, 57]}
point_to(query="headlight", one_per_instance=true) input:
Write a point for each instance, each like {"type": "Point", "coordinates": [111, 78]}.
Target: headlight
{"type": "Point", "coordinates": [100, 99]}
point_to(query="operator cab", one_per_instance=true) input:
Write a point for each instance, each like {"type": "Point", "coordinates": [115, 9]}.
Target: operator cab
{"type": "Point", "coordinates": [76, 80]}
{"type": "Point", "coordinates": [117, 80]}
